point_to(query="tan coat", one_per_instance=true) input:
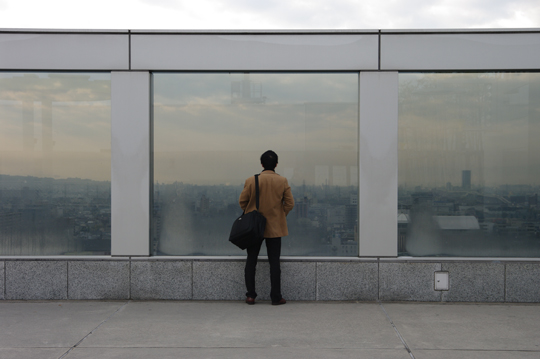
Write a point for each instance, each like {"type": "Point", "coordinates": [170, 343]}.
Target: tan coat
{"type": "Point", "coordinates": [275, 201]}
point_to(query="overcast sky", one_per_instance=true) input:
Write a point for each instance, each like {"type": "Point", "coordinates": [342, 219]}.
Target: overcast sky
{"type": "Point", "coordinates": [269, 14]}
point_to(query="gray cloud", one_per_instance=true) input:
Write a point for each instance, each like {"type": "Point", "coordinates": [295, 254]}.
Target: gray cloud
{"type": "Point", "coordinates": [201, 136]}
{"type": "Point", "coordinates": [346, 14]}
{"type": "Point", "coordinates": [167, 4]}
{"type": "Point", "coordinates": [276, 14]}
{"type": "Point", "coordinates": [486, 123]}
{"type": "Point", "coordinates": [55, 125]}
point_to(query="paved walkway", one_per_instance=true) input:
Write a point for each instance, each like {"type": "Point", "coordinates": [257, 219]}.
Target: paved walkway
{"type": "Point", "coordinates": [191, 329]}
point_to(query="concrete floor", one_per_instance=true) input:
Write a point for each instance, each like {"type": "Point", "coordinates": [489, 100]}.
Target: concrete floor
{"type": "Point", "coordinates": [198, 329]}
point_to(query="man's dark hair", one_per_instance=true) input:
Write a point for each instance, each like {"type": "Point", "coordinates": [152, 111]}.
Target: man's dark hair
{"type": "Point", "coordinates": [269, 160]}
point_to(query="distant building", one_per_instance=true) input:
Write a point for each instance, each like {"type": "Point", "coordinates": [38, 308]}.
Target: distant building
{"type": "Point", "coordinates": [302, 208]}
{"type": "Point", "coordinates": [466, 179]}
{"type": "Point", "coordinates": [459, 223]}
{"type": "Point", "coordinates": [204, 204]}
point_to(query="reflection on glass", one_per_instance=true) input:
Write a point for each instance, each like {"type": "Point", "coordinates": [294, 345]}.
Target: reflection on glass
{"type": "Point", "coordinates": [209, 133]}
{"type": "Point", "coordinates": [469, 164]}
{"type": "Point", "coordinates": [55, 163]}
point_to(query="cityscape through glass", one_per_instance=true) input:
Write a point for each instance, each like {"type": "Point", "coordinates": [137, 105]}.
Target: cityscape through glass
{"type": "Point", "coordinates": [55, 163]}
{"type": "Point", "coordinates": [469, 164]}
{"type": "Point", "coordinates": [210, 130]}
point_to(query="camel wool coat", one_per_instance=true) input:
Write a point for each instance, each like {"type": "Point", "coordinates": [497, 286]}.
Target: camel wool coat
{"type": "Point", "coordinates": [275, 201]}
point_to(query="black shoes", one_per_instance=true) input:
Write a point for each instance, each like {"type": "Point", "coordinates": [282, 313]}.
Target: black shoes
{"type": "Point", "coordinates": [251, 301]}
{"type": "Point", "coordinates": [281, 301]}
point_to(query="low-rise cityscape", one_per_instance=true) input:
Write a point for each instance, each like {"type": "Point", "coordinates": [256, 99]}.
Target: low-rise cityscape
{"type": "Point", "coordinates": [43, 216]}
{"type": "Point", "coordinates": [469, 220]}
{"type": "Point", "coordinates": [196, 220]}
{"type": "Point", "coordinates": [46, 216]}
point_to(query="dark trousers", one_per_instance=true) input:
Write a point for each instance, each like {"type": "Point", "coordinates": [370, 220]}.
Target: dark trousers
{"type": "Point", "coordinates": [273, 248]}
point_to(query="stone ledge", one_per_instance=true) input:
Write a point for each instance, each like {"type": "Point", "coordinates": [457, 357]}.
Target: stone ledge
{"type": "Point", "coordinates": [161, 280]}
{"type": "Point", "coordinates": [347, 281]}
{"type": "Point", "coordinates": [62, 258]}
{"type": "Point", "coordinates": [201, 278]}
{"type": "Point", "coordinates": [35, 280]}
{"type": "Point", "coordinates": [261, 258]}
{"type": "Point", "coordinates": [2, 280]}
{"type": "Point", "coordinates": [408, 282]}
{"type": "Point", "coordinates": [98, 280]}
{"type": "Point", "coordinates": [522, 283]}
{"type": "Point", "coordinates": [283, 259]}
{"type": "Point", "coordinates": [474, 282]}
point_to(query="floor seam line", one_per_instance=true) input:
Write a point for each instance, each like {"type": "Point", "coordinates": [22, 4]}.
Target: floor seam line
{"type": "Point", "coordinates": [214, 347]}
{"type": "Point", "coordinates": [397, 331]}
{"type": "Point", "coordinates": [93, 330]}
{"type": "Point", "coordinates": [482, 350]}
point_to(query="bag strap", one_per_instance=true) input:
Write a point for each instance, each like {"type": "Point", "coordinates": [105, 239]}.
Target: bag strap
{"type": "Point", "coordinates": [257, 191]}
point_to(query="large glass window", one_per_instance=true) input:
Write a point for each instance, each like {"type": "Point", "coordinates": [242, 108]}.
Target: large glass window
{"type": "Point", "coordinates": [469, 164]}
{"type": "Point", "coordinates": [55, 163]}
{"type": "Point", "coordinates": [209, 132]}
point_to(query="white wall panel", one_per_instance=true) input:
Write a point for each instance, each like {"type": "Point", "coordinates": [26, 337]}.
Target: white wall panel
{"type": "Point", "coordinates": [130, 175]}
{"type": "Point", "coordinates": [254, 52]}
{"type": "Point", "coordinates": [512, 51]}
{"type": "Point", "coordinates": [34, 51]}
{"type": "Point", "coordinates": [378, 163]}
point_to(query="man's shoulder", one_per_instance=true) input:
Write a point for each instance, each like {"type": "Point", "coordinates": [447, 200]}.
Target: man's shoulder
{"type": "Point", "coordinates": [272, 174]}
{"type": "Point", "coordinates": [276, 178]}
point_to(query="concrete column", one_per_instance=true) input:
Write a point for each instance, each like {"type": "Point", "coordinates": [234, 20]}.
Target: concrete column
{"type": "Point", "coordinates": [130, 172]}
{"type": "Point", "coordinates": [378, 134]}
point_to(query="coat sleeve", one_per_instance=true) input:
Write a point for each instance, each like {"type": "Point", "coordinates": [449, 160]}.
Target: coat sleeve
{"type": "Point", "coordinates": [244, 196]}
{"type": "Point", "coordinates": [288, 199]}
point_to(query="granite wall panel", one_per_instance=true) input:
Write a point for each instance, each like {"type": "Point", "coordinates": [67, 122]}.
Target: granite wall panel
{"type": "Point", "coordinates": [35, 280]}
{"type": "Point", "coordinates": [408, 281]}
{"type": "Point", "coordinates": [523, 282]}
{"type": "Point", "coordinates": [298, 280]}
{"type": "Point", "coordinates": [474, 282]}
{"type": "Point", "coordinates": [98, 280]}
{"type": "Point", "coordinates": [152, 280]}
{"type": "Point", "coordinates": [347, 281]}
{"type": "Point", "coordinates": [214, 280]}
{"type": "Point", "coordinates": [2, 281]}
{"type": "Point", "coordinates": [225, 280]}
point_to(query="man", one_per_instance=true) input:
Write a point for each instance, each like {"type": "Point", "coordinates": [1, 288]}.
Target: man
{"type": "Point", "coordinates": [275, 202]}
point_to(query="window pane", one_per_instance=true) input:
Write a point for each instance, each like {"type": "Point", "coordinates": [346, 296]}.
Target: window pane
{"type": "Point", "coordinates": [209, 133]}
{"type": "Point", "coordinates": [469, 164]}
{"type": "Point", "coordinates": [55, 163]}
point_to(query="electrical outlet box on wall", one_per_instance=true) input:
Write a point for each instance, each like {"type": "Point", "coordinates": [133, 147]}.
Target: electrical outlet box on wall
{"type": "Point", "coordinates": [441, 280]}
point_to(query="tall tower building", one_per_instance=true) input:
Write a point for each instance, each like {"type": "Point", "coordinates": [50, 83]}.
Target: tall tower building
{"type": "Point", "coordinates": [466, 179]}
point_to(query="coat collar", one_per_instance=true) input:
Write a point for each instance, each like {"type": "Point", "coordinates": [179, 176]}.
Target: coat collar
{"type": "Point", "coordinates": [264, 173]}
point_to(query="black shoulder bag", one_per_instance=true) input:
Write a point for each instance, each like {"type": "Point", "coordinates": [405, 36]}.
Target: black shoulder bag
{"type": "Point", "coordinates": [248, 229]}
